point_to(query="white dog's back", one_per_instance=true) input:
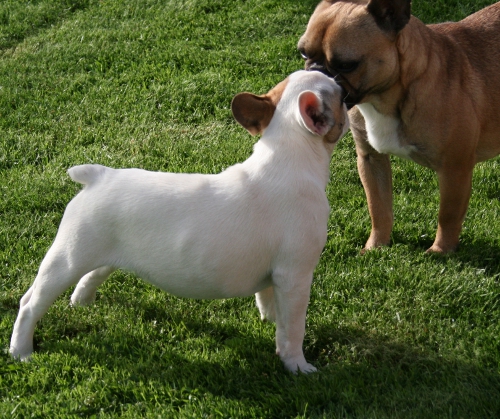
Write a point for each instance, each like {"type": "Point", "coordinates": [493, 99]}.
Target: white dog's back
{"type": "Point", "coordinates": [192, 235]}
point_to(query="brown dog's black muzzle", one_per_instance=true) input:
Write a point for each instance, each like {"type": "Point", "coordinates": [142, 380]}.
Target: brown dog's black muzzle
{"type": "Point", "coordinates": [319, 67]}
{"type": "Point", "coordinates": [338, 79]}
{"type": "Point", "coordinates": [348, 98]}
{"type": "Point", "coordinates": [348, 102]}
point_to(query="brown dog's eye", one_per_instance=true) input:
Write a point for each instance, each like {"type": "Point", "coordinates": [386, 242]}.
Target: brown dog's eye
{"type": "Point", "coordinates": [345, 66]}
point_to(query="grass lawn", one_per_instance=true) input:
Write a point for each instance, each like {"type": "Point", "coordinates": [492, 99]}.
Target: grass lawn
{"type": "Point", "coordinates": [395, 333]}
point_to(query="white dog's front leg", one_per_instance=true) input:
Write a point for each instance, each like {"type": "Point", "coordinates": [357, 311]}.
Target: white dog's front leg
{"type": "Point", "coordinates": [265, 303]}
{"type": "Point", "coordinates": [292, 297]}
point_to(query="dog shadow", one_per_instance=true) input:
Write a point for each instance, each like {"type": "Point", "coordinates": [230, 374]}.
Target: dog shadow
{"type": "Point", "coordinates": [472, 251]}
{"type": "Point", "coordinates": [480, 254]}
{"type": "Point", "coordinates": [359, 371]}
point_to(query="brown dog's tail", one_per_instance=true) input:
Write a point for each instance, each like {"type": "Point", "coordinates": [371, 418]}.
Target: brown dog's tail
{"type": "Point", "coordinates": [87, 174]}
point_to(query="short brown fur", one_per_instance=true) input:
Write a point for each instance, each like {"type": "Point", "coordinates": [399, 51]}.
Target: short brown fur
{"type": "Point", "coordinates": [440, 83]}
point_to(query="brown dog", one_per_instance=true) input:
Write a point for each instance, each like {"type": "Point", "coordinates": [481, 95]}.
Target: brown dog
{"type": "Point", "coordinates": [429, 93]}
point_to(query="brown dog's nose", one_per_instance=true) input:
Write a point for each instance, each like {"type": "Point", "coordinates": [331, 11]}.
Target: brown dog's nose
{"type": "Point", "coordinates": [318, 67]}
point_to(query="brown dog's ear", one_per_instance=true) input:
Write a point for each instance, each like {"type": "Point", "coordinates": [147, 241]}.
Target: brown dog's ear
{"type": "Point", "coordinates": [317, 118]}
{"type": "Point", "coordinates": [254, 113]}
{"type": "Point", "coordinates": [390, 15]}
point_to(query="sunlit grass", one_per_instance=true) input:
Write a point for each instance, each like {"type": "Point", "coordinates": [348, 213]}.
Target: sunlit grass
{"type": "Point", "coordinates": [395, 333]}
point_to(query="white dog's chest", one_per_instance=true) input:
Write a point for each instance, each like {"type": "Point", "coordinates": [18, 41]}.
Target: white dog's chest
{"type": "Point", "coordinates": [383, 132]}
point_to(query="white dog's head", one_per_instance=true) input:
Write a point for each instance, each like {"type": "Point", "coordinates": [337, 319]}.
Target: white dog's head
{"type": "Point", "coordinates": [307, 101]}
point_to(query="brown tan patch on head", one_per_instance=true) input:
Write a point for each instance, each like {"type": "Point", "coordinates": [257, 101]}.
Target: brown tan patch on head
{"type": "Point", "coordinates": [328, 16]}
{"type": "Point", "coordinates": [340, 117]}
{"type": "Point", "coordinates": [253, 112]}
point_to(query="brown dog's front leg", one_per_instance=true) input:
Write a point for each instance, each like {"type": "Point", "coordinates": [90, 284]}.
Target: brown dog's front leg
{"type": "Point", "coordinates": [376, 176]}
{"type": "Point", "coordinates": [455, 187]}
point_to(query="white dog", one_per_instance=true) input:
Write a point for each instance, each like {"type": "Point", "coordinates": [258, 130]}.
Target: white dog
{"type": "Point", "coordinates": [258, 227]}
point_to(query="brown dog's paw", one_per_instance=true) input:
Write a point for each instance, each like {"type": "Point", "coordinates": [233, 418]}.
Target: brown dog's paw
{"type": "Point", "coordinates": [441, 249]}
{"type": "Point", "coordinates": [365, 249]}
{"type": "Point", "coordinates": [374, 243]}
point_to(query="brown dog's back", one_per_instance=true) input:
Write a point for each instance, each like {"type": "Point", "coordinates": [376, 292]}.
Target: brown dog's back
{"type": "Point", "coordinates": [473, 50]}
{"type": "Point", "coordinates": [427, 93]}
{"type": "Point", "coordinates": [479, 37]}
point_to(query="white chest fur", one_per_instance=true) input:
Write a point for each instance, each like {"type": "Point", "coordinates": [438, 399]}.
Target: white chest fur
{"type": "Point", "coordinates": [383, 132]}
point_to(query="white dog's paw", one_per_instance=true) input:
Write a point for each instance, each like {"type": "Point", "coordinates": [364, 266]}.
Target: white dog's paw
{"type": "Point", "coordinates": [268, 316]}
{"type": "Point", "coordinates": [20, 355]}
{"type": "Point", "coordinates": [82, 297]}
{"type": "Point", "coordinates": [265, 303]}
{"type": "Point", "coordinates": [307, 368]}
{"type": "Point", "coordinates": [301, 365]}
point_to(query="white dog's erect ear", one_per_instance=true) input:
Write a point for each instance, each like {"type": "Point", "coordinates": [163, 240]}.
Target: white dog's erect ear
{"type": "Point", "coordinates": [254, 113]}
{"type": "Point", "coordinates": [317, 118]}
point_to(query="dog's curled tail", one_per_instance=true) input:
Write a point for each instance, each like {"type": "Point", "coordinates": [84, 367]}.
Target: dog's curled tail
{"type": "Point", "coordinates": [87, 174]}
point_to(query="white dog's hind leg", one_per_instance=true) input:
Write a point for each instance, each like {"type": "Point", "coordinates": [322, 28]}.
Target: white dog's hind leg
{"type": "Point", "coordinates": [85, 291]}
{"type": "Point", "coordinates": [26, 297]}
{"type": "Point", "coordinates": [292, 298]}
{"type": "Point", "coordinates": [54, 277]}
{"type": "Point", "coordinates": [266, 305]}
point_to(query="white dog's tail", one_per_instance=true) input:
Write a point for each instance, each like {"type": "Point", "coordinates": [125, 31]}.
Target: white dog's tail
{"type": "Point", "coordinates": [86, 173]}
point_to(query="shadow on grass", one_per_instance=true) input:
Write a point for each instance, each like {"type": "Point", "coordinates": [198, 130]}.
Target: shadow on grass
{"type": "Point", "coordinates": [371, 373]}
{"type": "Point", "coordinates": [472, 251]}
{"type": "Point", "coordinates": [19, 22]}
{"type": "Point", "coordinates": [361, 374]}
{"type": "Point", "coordinates": [479, 253]}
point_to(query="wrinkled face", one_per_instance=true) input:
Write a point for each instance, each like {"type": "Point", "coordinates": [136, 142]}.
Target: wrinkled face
{"type": "Point", "coordinates": [344, 41]}
{"type": "Point", "coordinates": [338, 108]}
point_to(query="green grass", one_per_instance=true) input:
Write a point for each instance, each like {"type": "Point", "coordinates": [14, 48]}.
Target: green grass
{"type": "Point", "coordinates": [395, 333]}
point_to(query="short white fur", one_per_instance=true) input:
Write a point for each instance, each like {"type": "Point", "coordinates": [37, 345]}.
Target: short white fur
{"type": "Point", "coordinates": [383, 132]}
{"type": "Point", "coordinates": [257, 228]}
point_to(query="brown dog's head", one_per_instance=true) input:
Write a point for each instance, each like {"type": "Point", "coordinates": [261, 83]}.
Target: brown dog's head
{"type": "Point", "coordinates": [355, 42]}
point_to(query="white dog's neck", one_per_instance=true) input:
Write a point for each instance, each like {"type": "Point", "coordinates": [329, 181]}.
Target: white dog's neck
{"type": "Point", "coordinates": [290, 144]}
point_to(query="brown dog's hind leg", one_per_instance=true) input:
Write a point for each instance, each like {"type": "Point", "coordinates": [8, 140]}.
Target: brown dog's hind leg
{"type": "Point", "coordinates": [376, 176]}
{"type": "Point", "coordinates": [455, 187]}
